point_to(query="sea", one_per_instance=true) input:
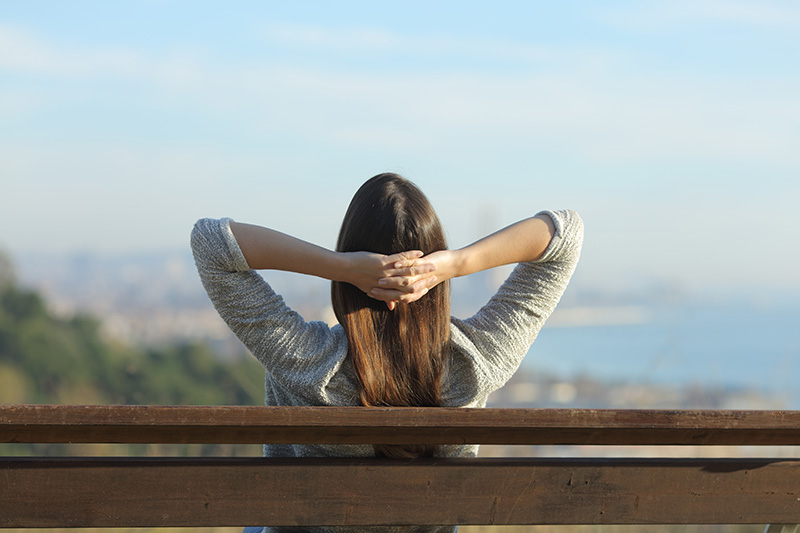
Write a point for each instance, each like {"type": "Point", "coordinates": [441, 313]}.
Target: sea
{"type": "Point", "coordinates": [712, 344]}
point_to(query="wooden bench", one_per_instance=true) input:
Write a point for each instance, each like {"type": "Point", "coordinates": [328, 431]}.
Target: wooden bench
{"type": "Point", "coordinates": [217, 491]}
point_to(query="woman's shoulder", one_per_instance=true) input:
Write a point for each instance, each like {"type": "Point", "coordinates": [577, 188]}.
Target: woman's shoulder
{"type": "Point", "coordinates": [567, 242]}
{"type": "Point", "coordinates": [214, 246]}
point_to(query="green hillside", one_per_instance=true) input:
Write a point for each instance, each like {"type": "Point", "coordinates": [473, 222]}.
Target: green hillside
{"type": "Point", "coordinates": [49, 359]}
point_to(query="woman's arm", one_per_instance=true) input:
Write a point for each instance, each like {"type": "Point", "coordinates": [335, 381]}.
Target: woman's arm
{"type": "Point", "coordinates": [265, 248]}
{"type": "Point", "coordinates": [504, 328]}
{"type": "Point", "coordinates": [521, 242]}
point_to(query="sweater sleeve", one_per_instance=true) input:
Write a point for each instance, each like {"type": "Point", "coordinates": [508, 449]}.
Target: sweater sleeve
{"type": "Point", "coordinates": [499, 336]}
{"type": "Point", "coordinates": [298, 355]}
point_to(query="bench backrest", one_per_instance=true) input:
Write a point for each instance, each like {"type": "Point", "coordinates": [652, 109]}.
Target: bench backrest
{"type": "Point", "coordinates": [395, 425]}
{"type": "Point", "coordinates": [150, 492]}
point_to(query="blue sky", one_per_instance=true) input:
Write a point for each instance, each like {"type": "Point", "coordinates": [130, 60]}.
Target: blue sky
{"type": "Point", "coordinates": [673, 127]}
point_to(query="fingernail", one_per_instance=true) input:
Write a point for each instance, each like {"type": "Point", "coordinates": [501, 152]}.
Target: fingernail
{"type": "Point", "coordinates": [382, 282]}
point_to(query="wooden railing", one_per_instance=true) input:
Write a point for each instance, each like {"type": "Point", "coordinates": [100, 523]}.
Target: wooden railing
{"type": "Point", "coordinates": [214, 491]}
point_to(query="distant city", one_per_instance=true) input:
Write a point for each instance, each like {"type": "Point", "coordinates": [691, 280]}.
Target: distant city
{"type": "Point", "coordinates": [154, 298]}
{"type": "Point", "coordinates": [157, 298]}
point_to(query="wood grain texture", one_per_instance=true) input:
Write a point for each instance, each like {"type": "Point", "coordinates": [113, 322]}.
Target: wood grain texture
{"type": "Point", "coordinates": [153, 492]}
{"type": "Point", "coordinates": [368, 425]}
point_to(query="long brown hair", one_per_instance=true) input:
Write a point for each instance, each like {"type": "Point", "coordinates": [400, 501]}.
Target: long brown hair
{"type": "Point", "coordinates": [399, 356]}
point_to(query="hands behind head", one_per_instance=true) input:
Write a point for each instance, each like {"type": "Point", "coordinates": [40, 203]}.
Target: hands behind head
{"type": "Point", "coordinates": [399, 278]}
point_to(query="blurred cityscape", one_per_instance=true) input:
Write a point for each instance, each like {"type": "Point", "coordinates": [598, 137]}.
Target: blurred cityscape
{"type": "Point", "coordinates": [157, 299]}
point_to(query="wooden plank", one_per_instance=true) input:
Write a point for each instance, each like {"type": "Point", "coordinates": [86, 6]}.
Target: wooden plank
{"type": "Point", "coordinates": [108, 492]}
{"type": "Point", "coordinates": [363, 425]}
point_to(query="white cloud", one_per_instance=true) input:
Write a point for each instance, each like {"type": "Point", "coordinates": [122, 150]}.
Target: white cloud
{"type": "Point", "coordinates": [601, 111]}
{"type": "Point", "coordinates": [596, 113]}
{"type": "Point", "coordinates": [23, 51]}
{"type": "Point", "coordinates": [604, 116]}
{"type": "Point", "coordinates": [318, 36]}
{"type": "Point", "coordinates": [16, 102]}
{"type": "Point", "coordinates": [26, 52]}
{"type": "Point", "coordinates": [371, 40]}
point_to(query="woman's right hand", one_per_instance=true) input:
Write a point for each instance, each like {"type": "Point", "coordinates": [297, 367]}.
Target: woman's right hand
{"type": "Point", "coordinates": [399, 278]}
{"type": "Point", "coordinates": [413, 276]}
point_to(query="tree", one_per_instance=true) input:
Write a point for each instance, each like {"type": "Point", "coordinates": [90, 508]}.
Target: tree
{"type": "Point", "coordinates": [67, 360]}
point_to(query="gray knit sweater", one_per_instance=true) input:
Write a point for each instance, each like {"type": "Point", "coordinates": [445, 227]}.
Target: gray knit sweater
{"type": "Point", "coordinates": [307, 364]}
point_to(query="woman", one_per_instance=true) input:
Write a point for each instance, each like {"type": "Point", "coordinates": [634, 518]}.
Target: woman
{"type": "Point", "coordinates": [396, 344]}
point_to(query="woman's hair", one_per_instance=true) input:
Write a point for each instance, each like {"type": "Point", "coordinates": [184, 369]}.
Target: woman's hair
{"type": "Point", "coordinates": [400, 355]}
